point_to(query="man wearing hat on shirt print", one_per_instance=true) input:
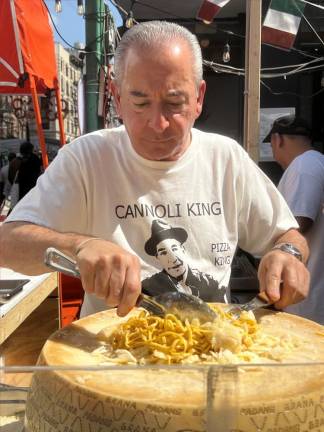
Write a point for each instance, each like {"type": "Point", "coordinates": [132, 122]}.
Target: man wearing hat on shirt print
{"type": "Point", "coordinates": [166, 244]}
{"type": "Point", "coordinates": [302, 186]}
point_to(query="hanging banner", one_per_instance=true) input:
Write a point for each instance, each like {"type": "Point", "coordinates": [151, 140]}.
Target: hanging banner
{"type": "Point", "coordinates": [282, 22]}
{"type": "Point", "coordinates": [209, 9]}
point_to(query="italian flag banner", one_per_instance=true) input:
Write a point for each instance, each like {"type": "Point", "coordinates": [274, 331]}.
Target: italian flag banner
{"type": "Point", "coordinates": [209, 9]}
{"type": "Point", "coordinates": [282, 22]}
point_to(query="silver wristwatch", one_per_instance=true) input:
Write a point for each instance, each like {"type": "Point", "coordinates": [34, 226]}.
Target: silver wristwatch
{"type": "Point", "coordinates": [289, 248]}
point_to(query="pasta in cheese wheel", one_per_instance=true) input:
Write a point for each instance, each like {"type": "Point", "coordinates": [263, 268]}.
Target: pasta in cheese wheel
{"type": "Point", "coordinates": [246, 398]}
{"type": "Point", "coordinates": [146, 339]}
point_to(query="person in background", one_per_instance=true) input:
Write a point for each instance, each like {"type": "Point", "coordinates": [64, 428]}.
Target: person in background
{"type": "Point", "coordinates": [29, 169]}
{"type": "Point", "coordinates": [302, 185]}
{"type": "Point", "coordinates": [99, 197]}
{"type": "Point", "coordinates": [5, 184]}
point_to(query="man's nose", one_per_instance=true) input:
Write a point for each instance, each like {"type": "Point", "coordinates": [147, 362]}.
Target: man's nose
{"type": "Point", "coordinates": [158, 120]}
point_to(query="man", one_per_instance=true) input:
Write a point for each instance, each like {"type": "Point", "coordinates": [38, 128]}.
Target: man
{"type": "Point", "coordinates": [302, 185]}
{"type": "Point", "coordinates": [24, 171]}
{"type": "Point", "coordinates": [166, 244]}
{"type": "Point", "coordinates": [29, 168]}
{"type": "Point", "coordinates": [98, 198]}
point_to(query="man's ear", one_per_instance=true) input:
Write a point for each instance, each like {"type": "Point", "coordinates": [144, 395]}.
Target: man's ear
{"type": "Point", "coordinates": [116, 95]}
{"type": "Point", "coordinates": [281, 141]}
{"type": "Point", "coordinates": [277, 140]}
{"type": "Point", "coordinates": [200, 97]}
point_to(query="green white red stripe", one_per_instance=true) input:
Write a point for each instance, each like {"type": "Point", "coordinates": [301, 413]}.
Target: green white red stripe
{"type": "Point", "coordinates": [282, 22]}
{"type": "Point", "coordinates": [209, 9]}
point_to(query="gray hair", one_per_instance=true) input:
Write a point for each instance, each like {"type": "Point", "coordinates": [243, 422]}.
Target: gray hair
{"type": "Point", "coordinates": [152, 33]}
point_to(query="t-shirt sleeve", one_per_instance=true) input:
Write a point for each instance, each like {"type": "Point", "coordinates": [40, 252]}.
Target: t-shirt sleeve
{"type": "Point", "coordinates": [303, 193]}
{"type": "Point", "coordinates": [58, 200]}
{"type": "Point", "coordinates": [263, 213]}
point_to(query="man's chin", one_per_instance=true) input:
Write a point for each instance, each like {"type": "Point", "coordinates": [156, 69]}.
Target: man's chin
{"type": "Point", "coordinates": [161, 151]}
{"type": "Point", "coordinates": [171, 155]}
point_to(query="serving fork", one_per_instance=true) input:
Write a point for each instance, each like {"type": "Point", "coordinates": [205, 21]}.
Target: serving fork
{"type": "Point", "coordinates": [261, 300]}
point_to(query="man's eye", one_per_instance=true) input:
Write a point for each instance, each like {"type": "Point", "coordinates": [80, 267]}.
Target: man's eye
{"type": "Point", "coordinates": [175, 104]}
{"type": "Point", "coordinates": [141, 105]}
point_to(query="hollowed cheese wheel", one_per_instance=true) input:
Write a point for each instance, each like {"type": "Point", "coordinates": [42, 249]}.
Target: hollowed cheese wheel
{"type": "Point", "coordinates": [273, 398]}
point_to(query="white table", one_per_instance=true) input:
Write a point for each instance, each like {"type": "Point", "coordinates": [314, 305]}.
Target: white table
{"type": "Point", "coordinates": [21, 305]}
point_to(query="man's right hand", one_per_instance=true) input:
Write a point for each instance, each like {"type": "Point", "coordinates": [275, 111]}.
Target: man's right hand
{"type": "Point", "coordinates": [111, 273]}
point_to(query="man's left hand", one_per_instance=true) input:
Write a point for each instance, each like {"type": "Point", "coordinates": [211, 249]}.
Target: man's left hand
{"type": "Point", "coordinates": [284, 278]}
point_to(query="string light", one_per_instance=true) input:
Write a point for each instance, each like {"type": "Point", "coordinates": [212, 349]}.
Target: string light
{"type": "Point", "coordinates": [130, 17]}
{"type": "Point", "coordinates": [129, 20]}
{"type": "Point", "coordinates": [227, 53]}
{"type": "Point", "coordinates": [58, 6]}
{"type": "Point", "coordinates": [80, 8]}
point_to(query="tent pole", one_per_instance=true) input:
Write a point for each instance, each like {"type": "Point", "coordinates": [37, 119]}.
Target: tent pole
{"type": "Point", "coordinates": [38, 118]}
{"type": "Point", "coordinates": [59, 112]}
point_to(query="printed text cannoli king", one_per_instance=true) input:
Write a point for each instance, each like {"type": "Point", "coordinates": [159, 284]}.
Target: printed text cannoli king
{"type": "Point", "coordinates": [161, 211]}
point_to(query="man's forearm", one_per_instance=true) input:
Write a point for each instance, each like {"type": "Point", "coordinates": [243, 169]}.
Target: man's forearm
{"type": "Point", "coordinates": [22, 246]}
{"type": "Point", "coordinates": [298, 240]}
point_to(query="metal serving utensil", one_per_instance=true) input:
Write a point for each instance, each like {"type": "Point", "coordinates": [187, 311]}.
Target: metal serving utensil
{"type": "Point", "coordinates": [184, 306]}
{"type": "Point", "coordinates": [261, 300]}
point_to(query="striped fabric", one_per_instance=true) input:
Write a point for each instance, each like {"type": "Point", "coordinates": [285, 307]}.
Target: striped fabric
{"type": "Point", "coordinates": [282, 22]}
{"type": "Point", "coordinates": [209, 9]}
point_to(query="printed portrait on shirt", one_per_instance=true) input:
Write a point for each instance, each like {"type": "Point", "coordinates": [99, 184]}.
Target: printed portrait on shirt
{"type": "Point", "coordinates": [166, 244]}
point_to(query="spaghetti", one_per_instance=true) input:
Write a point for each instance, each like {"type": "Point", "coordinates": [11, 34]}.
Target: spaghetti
{"type": "Point", "coordinates": [149, 339]}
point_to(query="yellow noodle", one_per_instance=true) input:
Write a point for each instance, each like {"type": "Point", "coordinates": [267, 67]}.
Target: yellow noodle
{"type": "Point", "coordinates": [168, 340]}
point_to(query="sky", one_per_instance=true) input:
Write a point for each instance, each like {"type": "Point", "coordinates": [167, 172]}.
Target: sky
{"type": "Point", "coordinates": [71, 25]}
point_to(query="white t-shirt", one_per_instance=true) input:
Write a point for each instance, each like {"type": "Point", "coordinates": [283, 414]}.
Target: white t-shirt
{"type": "Point", "coordinates": [302, 185]}
{"type": "Point", "coordinates": [214, 198]}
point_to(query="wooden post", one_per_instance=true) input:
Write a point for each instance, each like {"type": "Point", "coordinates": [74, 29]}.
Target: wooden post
{"type": "Point", "coordinates": [252, 79]}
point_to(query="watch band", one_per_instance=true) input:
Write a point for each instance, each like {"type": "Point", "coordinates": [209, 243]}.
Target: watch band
{"type": "Point", "coordinates": [289, 248]}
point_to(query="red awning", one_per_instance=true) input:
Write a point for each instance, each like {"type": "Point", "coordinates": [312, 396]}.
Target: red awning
{"type": "Point", "coordinates": [27, 47]}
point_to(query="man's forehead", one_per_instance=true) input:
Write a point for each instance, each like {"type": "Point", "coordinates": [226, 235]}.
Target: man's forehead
{"type": "Point", "coordinates": [142, 51]}
{"type": "Point", "coordinates": [169, 93]}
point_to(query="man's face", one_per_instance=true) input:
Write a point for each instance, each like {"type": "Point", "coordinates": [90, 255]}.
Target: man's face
{"type": "Point", "coordinates": [170, 253]}
{"type": "Point", "coordinates": [159, 101]}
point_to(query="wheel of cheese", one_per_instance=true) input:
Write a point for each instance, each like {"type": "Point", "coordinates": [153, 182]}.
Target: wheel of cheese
{"type": "Point", "coordinates": [286, 397]}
